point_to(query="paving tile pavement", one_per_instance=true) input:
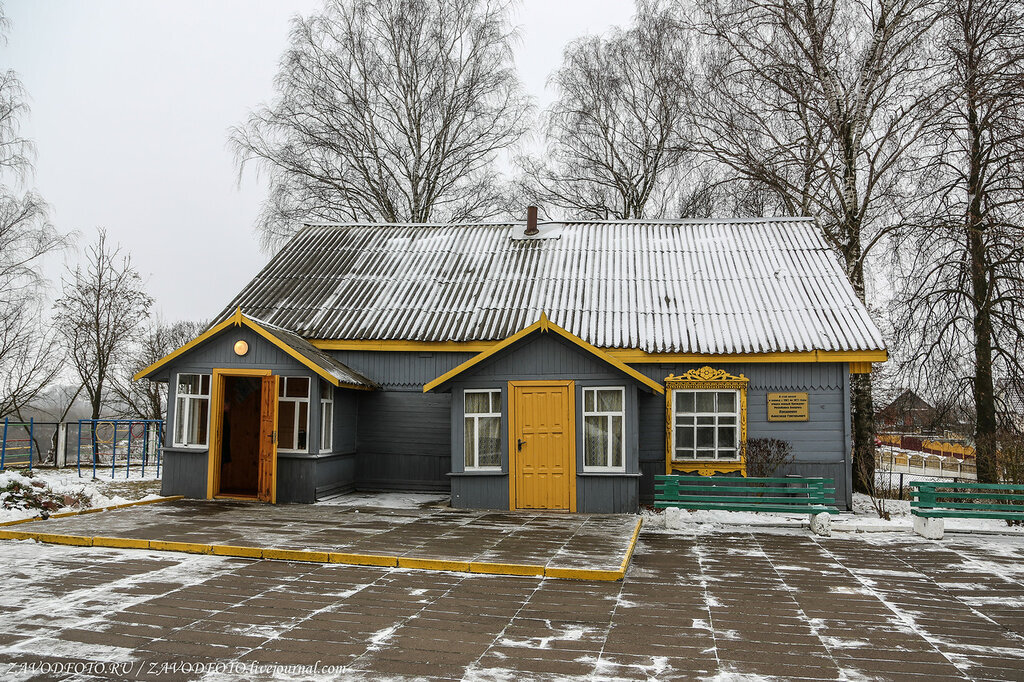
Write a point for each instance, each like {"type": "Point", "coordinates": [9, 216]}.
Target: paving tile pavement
{"type": "Point", "coordinates": [594, 541]}
{"type": "Point", "coordinates": [737, 604]}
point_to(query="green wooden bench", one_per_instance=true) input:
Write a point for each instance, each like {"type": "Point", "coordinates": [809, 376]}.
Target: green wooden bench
{"type": "Point", "coordinates": [794, 495]}
{"type": "Point", "coordinates": [933, 501]}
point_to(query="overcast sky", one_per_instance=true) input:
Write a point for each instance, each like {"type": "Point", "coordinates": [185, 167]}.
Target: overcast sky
{"type": "Point", "coordinates": [131, 105]}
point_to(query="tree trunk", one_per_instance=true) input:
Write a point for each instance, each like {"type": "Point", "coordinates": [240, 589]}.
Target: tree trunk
{"type": "Point", "coordinates": [984, 393]}
{"type": "Point", "coordinates": [863, 434]}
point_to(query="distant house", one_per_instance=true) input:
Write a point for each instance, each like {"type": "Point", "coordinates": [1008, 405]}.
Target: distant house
{"type": "Point", "coordinates": [908, 412]}
{"type": "Point", "coordinates": [558, 365]}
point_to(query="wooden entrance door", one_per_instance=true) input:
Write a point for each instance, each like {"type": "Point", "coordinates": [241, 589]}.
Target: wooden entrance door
{"type": "Point", "coordinates": [266, 449]}
{"type": "Point", "coordinates": [542, 471]}
{"type": "Point", "coordinates": [268, 441]}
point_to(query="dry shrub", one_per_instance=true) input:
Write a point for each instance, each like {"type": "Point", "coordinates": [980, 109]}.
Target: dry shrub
{"type": "Point", "coordinates": [765, 456]}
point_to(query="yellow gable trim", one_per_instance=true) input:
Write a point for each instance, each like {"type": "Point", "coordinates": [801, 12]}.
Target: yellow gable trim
{"type": "Point", "coordinates": [240, 320]}
{"type": "Point", "coordinates": [544, 325]}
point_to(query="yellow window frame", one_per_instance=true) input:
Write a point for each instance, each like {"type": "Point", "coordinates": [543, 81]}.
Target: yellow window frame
{"type": "Point", "coordinates": [705, 378]}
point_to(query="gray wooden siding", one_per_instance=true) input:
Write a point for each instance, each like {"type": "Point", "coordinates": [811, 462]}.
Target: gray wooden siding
{"type": "Point", "coordinates": [399, 370]}
{"type": "Point", "coordinates": [605, 494]}
{"type": "Point", "coordinates": [183, 472]}
{"type": "Point", "coordinates": [346, 420]}
{"type": "Point", "coordinates": [404, 441]}
{"type": "Point", "coordinates": [335, 474]}
{"type": "Point", "coordinates": [480, 491]}
{"type": "Point", "coordinates": [820, 444]}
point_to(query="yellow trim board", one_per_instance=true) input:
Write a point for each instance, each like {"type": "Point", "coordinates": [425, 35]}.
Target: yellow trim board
{"type": "Point", "coordinates": [628, 355]}
{"type": "Point", "coordinates": [545, 325]}
{"type": "Point", "coordinates": [240, 320]}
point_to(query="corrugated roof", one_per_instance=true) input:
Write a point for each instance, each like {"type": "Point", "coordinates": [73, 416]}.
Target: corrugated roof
{"type": "Point", "coordinates": [343, 373]}
{"type": "Point", "coordinates": [738, 286]}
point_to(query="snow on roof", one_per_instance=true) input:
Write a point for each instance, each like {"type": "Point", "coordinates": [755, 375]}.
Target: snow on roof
{"type": "Point", "coordinates": [723, 286]}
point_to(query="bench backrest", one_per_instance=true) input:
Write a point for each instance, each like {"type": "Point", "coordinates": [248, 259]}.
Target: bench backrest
{"type": "Point", "coordinates": [746, 491]}
{"type": "Point", "coordinates": [994, 497]}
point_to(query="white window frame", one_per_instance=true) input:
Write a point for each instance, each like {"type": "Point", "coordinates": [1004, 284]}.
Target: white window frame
{"type": "Point", "coordinates": [476, 429]}
{"type": "Point", "coordinates": [608, 415]}
{"type": "Point", "coordinates": [326, 425]}
{"type": "Point", "coordinates": [737, 425]}
{"type": "Point", "coordinates": [185, 413]}
{"type": "Point", "coordinates": [283, 397]}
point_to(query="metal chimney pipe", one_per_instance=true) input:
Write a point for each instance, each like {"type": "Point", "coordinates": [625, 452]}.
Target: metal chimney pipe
{"type": "Point", "coordinates": [531, 221]}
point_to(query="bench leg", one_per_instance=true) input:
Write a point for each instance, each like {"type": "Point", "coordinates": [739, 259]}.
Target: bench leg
{"type": "Point", "coordinates": [933, 529]}
{"type": "Point", "coordinates": [821, 524]}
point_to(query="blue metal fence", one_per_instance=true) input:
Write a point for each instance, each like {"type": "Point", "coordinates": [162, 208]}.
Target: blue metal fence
{"type": "Point", "coordinates": [116, 442]}
{"type": "Point", "coordinates": [18, 442]}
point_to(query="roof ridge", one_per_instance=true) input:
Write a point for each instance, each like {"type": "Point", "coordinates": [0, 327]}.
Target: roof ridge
{"type": "Point", "coordinates": [652, 221]}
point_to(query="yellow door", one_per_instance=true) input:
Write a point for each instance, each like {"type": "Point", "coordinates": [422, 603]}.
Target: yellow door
{"type": "Point", "coordinates": [542, 446]}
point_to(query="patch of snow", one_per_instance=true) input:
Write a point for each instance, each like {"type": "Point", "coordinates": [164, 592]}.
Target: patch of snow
{"type": "Point", "coordinates": [381, 637]}
{"type": "Point", "coordinates": [386, 500]}
{"type": "Point", "coordinates": [571, 633]}
{"type": "Point", "coordinates": [61, 482]}
{"type": "Point", "coordinates": [734, 676]}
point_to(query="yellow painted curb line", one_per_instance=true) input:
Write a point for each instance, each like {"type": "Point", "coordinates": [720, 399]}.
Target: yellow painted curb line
{"type": "Point", "coordinates": [14, 523]}
{"type": "Point", "coordinates": [123, 543]}
{"type": "Point", "coordinates": [581, 573]}
{"type": "Point", "coordinates": [505, 569]}
{"type": "Point", "coordinates": [187, 547]}
{"type": "Point", "coordinates": [57, 539]}
{"type": "Point", "coordinates": [15, 535]}
{"type": "Point", "coordinates": [632, 546]}
{"type": "Point", "coordinates": [383, 560]}
{"type": "Point", "coordinates": [235, 550]}
{"type": "Point", "coordinates": [433, 564]}
{"type": "Point", "coordinates": [295, 555]}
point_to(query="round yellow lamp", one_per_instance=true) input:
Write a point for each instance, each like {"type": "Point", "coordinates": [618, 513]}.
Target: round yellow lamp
{"type": "Point", "coordinates": [241, 347]}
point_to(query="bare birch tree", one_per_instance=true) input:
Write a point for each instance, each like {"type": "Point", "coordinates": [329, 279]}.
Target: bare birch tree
{"type": "Point", "coordinates": [388, 110]}
{"type": "Point", "coordinates": [962, 304]}
{"type": "Point", "coordinates": [27, 361]}
{"type": "Point", "coordinates": [617, 143]}
{"type": "Point", "coordinates": [100, 317]}
{"type": "Point", "coordinates": [148, 399]}
{"type": "Point", "coordinates": [812, 102]}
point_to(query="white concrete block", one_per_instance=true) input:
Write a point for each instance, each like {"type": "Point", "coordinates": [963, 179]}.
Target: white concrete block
{"type": "Point", "coordinates": [821, 524]}
{"type": "Point", "coordinates": [673, 518]}
{"type": "Point", "coordinates": [933, 529]}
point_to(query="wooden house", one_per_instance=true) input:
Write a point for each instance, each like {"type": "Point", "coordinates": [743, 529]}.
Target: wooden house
{"type": "Point", "coordinates": [552, 365]}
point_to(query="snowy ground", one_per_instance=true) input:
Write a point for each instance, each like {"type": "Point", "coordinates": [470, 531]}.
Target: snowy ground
{"type": "Point", "coordinates": [102, 492]}
{"type": "Point", "coordinates": [862, 519]}
{"type": "Point", "coordinates": [386, 500]}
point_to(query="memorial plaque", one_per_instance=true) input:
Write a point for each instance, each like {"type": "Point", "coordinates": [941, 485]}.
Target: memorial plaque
{"type": "Point", "coordinates": [788, 407]}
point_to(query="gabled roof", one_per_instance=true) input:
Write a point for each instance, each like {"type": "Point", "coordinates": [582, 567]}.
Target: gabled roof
{"type": "Point", "coordinates": [544, 325]}
{"type": "Point", "coordinates": [702, 287]}
{"type": "Point", "coordinates": [303, 351]}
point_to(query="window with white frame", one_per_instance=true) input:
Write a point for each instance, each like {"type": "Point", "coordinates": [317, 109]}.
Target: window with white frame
{"type": "Point", "coordinates": [603, 417]}
{"type": "Point", "coordinates": [483, 429]}
{"type": "Point", "coordinates": [706, 424]}
{"type": "Point", "coordinates": [293, 414]}
{"type": "Point", "coordinates": [192, 410]}
{"type": "Point", "coordinates": [326, 416]}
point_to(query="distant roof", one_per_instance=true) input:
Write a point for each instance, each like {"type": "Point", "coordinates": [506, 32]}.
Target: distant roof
{"type": "Point", "coordinates": [729, 286]}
